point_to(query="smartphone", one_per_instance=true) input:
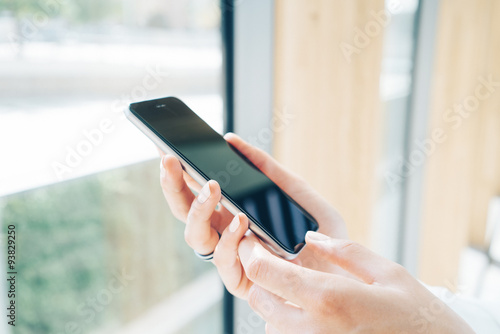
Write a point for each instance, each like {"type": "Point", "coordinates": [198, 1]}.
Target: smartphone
{"type": "Point", "coordinates": [204, 154]}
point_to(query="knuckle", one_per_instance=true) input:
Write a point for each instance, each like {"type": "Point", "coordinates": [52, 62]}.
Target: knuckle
{"type": "Point", "coordinates": [196, 240]}
{"type": "Point", "coordinates": [398, 271]}
{"type": "Point", "coordinates": [256, 268]}
{"type": "Point", "coordinates": [329, 301]}
{"type": "Point", "coordinates": [327, 304]}
{"type": "Point", "coordinates": [254, 296]}
{"type": "Point", "coordinates": [189, 217]}
{"type": "Point", "coordinates": [188, 238]}
{"type": "Point", "coordinates": [193, 216]}
{"type": "Point", "coordinates": [192, 235]}
{"type": "Point", "coordinates": [271, 330]}
{"type": "Point", "coordinates": [218, 256]}
{"type": "Point", "coordinates": [179, 216]}
{"type": "Point", "coordinates": [221, 257]}
{"type": "Point", "coordinates": [348, 248]}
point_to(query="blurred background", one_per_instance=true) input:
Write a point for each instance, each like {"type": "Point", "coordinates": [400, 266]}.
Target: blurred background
{"type": "Point", "coordinates": [391, 109]}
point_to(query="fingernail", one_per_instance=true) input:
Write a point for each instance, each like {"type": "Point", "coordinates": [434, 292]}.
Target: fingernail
{"type": "Point", "coordinates": [235, 224]}
{"type": "Point", "coordinates": [162, 167]}
{"type": "Point", "coordinates": [315, 236]}
{"type": "Point", "coordinates": [204, 193]}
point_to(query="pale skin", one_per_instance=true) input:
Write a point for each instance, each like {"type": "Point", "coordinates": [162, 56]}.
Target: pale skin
{"type": "Point", "coordinates": [333, 286]}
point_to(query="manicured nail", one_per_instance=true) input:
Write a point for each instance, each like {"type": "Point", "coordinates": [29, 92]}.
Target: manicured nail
{"type": "Point", "coordinates": [162, 166]}
{"type": "Point", "coordinates": [235, 224]}
{"type": "Point", "coordinates": [204, 193]}
{"type": "Point", "coordinates": [315, 236]}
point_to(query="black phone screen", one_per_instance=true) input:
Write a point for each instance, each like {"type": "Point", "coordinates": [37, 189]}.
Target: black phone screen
{"type": "Point", "coordinates": [243, 184]}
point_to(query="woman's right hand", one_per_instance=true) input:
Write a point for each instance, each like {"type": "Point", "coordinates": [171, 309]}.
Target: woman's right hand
{"type": "Point", "coordinates": [380, 297]}
{"type": "Point", "coordinates": [205, 219]}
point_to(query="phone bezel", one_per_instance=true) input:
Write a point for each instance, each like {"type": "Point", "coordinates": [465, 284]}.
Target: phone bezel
{"type": "Point", "coordinates": [201, 179]}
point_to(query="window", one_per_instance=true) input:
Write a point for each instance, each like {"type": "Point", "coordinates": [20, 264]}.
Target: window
{"type": "Point", "coordinates": [395, 89]}
{"type": "Point", "coordinates": [97, 248]}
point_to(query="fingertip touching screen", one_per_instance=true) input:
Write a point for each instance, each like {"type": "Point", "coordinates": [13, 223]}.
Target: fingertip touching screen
{"type": "Point", "coordinates": [242, 183]}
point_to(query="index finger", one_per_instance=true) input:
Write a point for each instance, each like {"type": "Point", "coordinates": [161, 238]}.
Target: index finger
{"type": "Point", "coordinates": [299, 285]}
{"type": "Point", "coordinates": [192, 184]}
{"type": "Point", "coordinates": [291, 183]}
{"type": "Point", "coordinates": [175, 189]}
{"type": "Point", "coordinates": [262, 160]}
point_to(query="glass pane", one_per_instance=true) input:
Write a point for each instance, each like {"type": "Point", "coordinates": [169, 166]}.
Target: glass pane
{"type": "Point", "coordinates": [97, 252]}
{"type": "Point", "coordinates": [69, 68]}
{"type": "Point", "coordinates": [395, 83]}
{"type": "Point", "coordinates": [97, 249]}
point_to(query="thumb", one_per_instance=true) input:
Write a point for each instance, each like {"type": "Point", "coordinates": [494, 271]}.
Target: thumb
{"type": "Point", "coordinates": [350, 256]}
